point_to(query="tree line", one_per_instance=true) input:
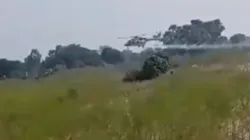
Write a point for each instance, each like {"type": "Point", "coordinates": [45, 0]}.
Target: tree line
{"type": "Point", "coordinates": [76, 56]}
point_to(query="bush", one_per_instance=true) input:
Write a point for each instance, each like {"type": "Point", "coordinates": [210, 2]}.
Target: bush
{"type": "Point", "coordinates": [153, 66]}
{"type": "Point", "coordinates": [132, 76]}
{"type": "Point", "coordinates": [72, 93]}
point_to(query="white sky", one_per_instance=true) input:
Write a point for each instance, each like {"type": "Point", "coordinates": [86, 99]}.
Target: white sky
{"type": "Point", "coordinates": [42, 24]}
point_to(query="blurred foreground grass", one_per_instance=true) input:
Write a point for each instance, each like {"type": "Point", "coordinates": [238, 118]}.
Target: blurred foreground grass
{"type": "Point", "coordinates": [93, 104]}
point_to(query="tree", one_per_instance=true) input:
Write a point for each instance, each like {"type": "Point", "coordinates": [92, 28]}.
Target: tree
{"type": "Point", "coordinates": [237, 38]}
{"type": "Point", "coordinates": [222, 40]}
{"type": "Point", "coordinates": [32, 62]}
{"type": "Point", "coordinates": [11, 69]}
{"type": "Point", "coordinates": [72, 56]}
{"type": "Point", "coordinates": [196, 33]}
{"type": "Point", "coordinates": [111, 55]}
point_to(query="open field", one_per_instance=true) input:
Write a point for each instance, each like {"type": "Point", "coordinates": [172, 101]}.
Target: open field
{"type": "Point", "coordinates": [93, 104]}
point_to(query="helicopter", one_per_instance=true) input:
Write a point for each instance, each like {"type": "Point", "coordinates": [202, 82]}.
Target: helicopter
{"type": "Point", "coordinates": [140, 41]}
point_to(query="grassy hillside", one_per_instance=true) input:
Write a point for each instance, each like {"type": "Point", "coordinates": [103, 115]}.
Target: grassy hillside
{"type": "Point", "coordinates": [93, 104]}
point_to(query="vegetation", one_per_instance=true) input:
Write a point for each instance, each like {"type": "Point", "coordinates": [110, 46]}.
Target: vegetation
{"type": "Point", "coordinates": [197, 32]}
{"type": "Point", "coordinates": [93, 103]}
{"type": "Point", "coordinates": [153, 67]}
{"type": "Point", "coordinates": [88, 100]}
{"type": "Point", "coordinates": [75, 56]}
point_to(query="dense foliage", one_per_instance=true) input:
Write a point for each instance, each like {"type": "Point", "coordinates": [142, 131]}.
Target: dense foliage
{"type": "Point", "coordinates": [153, 66]}
{"type": "Point", "coordinates": [197, 32]}
{"type": "Point", "coordinates": [75, 56]}
{"type": "Point", "coordinates": [9, 67]}
{"type": "Point", "coordinates": [111, 55]}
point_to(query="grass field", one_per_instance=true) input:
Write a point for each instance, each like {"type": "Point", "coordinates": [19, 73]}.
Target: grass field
{"type": "Point", "coordinates": [93, 104]}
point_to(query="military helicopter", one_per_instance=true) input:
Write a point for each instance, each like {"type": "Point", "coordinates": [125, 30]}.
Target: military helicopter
{"type": "Point", "coordinates": [140, 41]}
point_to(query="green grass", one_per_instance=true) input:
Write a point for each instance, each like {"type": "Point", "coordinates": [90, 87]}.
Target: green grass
{"type": "Point", "coordinates": [192, 104]}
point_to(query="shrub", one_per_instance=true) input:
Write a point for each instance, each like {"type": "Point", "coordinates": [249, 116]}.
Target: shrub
{"type": "Point", "coordinates": [72, 93]}
{"type": "Point", "coordinates": [152, 67]}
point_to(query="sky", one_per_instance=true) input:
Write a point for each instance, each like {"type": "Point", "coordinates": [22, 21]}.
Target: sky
{"type": "Point", "coordinates": [43, 24]}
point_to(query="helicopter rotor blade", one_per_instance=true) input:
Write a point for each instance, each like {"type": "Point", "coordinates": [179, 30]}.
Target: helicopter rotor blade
{"type": "Point", "coordinates": [132, 36]}
{"type": "Point", "coordinates": [142, 34]}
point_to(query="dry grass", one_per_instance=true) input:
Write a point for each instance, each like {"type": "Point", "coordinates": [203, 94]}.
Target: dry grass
{"type": "Point", "coordinates": [94, 104]}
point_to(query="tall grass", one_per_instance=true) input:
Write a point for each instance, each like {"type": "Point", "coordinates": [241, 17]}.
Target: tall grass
{"type": "Point", "coordinates": [94, 104]}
